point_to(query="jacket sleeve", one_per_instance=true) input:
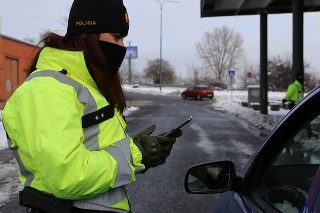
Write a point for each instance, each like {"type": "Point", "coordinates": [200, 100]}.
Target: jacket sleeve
{"type": "Point", "coordinates": [46, 128]}
{"type": "Point", "coordinates": [290, 92]}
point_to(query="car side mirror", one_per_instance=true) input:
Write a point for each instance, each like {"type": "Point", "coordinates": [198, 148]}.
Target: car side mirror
{"type": "Point", "coordinates": [214, 177]}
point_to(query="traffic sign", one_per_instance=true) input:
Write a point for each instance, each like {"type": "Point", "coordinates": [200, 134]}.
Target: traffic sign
{"type": "Point", "coordinates": [232, 73]}
{"type": "Point", "coordinates": [131, 52]}
{"type": "Point", "coordinates": [249, 74]}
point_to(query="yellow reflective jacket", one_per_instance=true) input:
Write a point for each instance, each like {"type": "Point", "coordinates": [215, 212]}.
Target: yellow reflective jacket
{"type": "Point", "coordinates": [66, 138]}
{"type": "Point", "coordinates": [294, 92]}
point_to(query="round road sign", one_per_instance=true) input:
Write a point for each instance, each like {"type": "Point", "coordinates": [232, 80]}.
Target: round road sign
{"type": "Point", "coordinates": [249, 74]}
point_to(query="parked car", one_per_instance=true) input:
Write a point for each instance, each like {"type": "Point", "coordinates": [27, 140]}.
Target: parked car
{"type": "Point", "coordinates": [198, 92]}
{"type": "Point", "coordinates": [282, 176]}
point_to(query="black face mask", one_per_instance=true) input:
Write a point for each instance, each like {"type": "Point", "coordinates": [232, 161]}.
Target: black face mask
{"type": "Point", "coordinates": [114, 55]}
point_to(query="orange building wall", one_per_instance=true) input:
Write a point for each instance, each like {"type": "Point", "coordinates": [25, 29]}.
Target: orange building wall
{"type": "Point", "coordinates": [15, 57]}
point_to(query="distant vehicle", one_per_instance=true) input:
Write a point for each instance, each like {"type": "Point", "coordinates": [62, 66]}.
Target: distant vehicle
{"type": "Point", "coordinates": [198, 92]}
{"type": "Point", "coordinates": [282, 176]}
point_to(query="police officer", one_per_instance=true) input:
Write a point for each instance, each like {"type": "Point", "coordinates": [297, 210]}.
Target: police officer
{"type": "Point", "coordinates": [65, 125]}
{"type": "Point", "coordinates": [294, 94]}
{"type": "Point", "coordinates": [295, 91]}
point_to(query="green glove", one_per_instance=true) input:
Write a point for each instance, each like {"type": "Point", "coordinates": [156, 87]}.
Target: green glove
{"type": "Point", "coordinates": [154, 149]}
{"type": "Point", "coordinates": [142, 136]}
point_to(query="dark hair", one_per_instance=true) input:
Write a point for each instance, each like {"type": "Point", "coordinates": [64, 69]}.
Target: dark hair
{"type": "Point", "coordinates": [109, 84]}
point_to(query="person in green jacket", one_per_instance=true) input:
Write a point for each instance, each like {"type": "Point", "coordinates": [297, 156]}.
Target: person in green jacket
{"type": "Point", "coordinates": [294, 94]}
{"type": "Point", "coordinates": [64, 123]}
{"type": "Point", "coordinates": [295, 91]}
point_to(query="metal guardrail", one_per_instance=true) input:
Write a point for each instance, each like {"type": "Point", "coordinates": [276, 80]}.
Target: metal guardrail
{"type": "Point", "coordinates": [162, 85]}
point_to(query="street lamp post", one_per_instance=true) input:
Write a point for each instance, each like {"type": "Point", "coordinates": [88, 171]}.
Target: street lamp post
{"type": "Point", "coordinates": [161, 6]}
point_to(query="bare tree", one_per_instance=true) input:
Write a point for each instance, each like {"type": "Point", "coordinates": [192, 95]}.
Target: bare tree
{"type": "Point", "coordinates": [280, 74]}
{"type": "Point", "coordinates": [124, 71]}
{"type": "Point", "coordinates": [64, 18]}
{"type": "Point", "coordinates": [152, 71]}
{"type": "Point", "coordinates": [63, 22]}
{"type": "Point", "coordinates": [219, 50]}
{"type": "Point", "coordinates": [194, 75]}
{"type": "Point", "coordinates": [31, 40]}
{"type": "Point", "coordinates": [310, 81]}
{"type": "Point", "coordinates": [137, 77]}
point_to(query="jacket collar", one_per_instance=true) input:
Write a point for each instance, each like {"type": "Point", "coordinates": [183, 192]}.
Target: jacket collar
{"type": "Point", "coordinates": [72, 61]}
{"type": "Point", "coordinates": [298, 83]}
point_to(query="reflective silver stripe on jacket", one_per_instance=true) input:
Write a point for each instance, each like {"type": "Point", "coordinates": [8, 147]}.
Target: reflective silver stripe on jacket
{"type": "Point", "coordinates": [28, 175]}
{"type": "Point", "coordinates": [121, 153]}
{"type": "Point", "coordinates": [102, 202]}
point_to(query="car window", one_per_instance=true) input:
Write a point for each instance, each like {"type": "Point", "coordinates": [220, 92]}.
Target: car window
{"type": "Point", "coordinates": [304, 148]}
{"type": "Point", "coordinates": [289, 178]}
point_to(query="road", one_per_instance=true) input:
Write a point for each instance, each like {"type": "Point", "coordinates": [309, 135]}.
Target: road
{"type": "Point", "coordinates": [211, 136]}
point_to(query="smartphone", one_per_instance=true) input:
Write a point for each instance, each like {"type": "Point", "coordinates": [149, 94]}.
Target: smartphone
{"type": "Point", "coordinates": [179, 126]}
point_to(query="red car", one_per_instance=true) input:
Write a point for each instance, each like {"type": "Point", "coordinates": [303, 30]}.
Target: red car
{"type": "Point", "coordinates": [198, 92]}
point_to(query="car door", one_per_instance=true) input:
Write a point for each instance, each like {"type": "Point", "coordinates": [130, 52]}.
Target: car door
{"type": "Point", "coordinates": [189, 92]}
{"type": "Point", "coordinates": [287, 180]}
{"type": "Point", "coordinates": [195, 91]}
{"type": "Point", "coordinates": [281, 173]}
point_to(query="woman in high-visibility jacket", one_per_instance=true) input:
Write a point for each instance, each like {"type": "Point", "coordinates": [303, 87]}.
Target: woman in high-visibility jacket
{"type": "Point", "coordinates": [65, 125]}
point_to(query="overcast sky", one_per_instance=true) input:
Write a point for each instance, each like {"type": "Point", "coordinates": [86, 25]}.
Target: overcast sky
{"type": "Point", "coordinates": [182, 28]}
